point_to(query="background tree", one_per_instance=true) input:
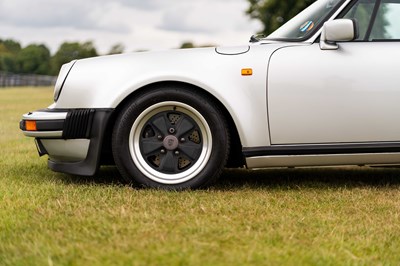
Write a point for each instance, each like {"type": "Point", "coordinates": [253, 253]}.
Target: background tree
{"type": "Point", "coordinates": [8, 63]}
{"type": "Point", "coordinates": [117, 49]}
{"type": "Point", "coordinates": [69, 51]}
{"type": "Point", "coordinates": [34, 59]}
{"type": "Point", "coordinates": [187, 45]}
{"type": "Point", "coordinates": [274, 13]}
{"type": "Point", "coordinates": [11, 46]}
{"type": "Point", "coordinates": [9, 50]}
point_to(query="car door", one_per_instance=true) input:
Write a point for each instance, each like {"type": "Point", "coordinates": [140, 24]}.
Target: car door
{"type": "Point", "coordinates": [349, 95]}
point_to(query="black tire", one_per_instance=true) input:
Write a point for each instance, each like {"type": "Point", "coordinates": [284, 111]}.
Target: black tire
{"type": "Point", "coordinates": [171, 137]}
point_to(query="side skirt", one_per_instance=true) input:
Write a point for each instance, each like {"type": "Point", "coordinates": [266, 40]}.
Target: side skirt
{"type": "Point", "coordinates": [323, 155]}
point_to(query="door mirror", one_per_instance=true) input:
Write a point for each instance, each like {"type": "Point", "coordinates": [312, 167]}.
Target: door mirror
{"type": "Point", "coordinates": [339, 30]}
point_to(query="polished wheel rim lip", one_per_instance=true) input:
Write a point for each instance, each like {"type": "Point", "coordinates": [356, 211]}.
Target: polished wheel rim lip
{"type": "Point", "coordinates": [140, 161]}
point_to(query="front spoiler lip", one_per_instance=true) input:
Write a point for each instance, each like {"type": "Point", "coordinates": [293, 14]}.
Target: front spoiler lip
{"type": "Point", "coordinates": [89, 124]}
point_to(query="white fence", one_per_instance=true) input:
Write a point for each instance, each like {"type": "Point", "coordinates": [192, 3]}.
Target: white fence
{"type": "Point", "coordinates": [13, 80]}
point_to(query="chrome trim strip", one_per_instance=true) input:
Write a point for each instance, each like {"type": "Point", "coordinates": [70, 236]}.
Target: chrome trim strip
{"type": "Point", "coordinates": [323, 160]}
{"type": "Point", "coordinates": [43, 134]}
{"type": "Point", "coordinates": [324, 149]}
{"type": "Point", "coordinates": [45, 116]}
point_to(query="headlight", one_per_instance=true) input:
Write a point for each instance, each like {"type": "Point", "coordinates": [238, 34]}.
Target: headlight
{"type": "Point", "coordinates": [62, 76]}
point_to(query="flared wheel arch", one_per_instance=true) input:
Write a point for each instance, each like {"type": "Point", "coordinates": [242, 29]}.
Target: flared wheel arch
{"type": "Point", "coordinates": [235, 157]}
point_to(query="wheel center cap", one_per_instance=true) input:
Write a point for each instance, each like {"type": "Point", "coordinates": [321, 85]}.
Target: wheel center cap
{"type": "Point", "coordinates": [170, 142]}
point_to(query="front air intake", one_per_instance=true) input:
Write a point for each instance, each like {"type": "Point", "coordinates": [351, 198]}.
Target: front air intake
{"type": "Point", "coordinates": [78, 124]}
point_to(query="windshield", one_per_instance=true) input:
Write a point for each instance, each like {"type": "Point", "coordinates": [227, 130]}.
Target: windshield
{"type": "Point", "coordinates": [306, 21]}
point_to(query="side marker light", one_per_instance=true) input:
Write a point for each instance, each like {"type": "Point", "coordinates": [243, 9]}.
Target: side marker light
{"type": "Point", "coordinates": [247, 71]}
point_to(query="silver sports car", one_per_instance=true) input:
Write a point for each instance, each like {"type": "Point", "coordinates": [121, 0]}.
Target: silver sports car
{"type": "Point", "coordinates": [322, 90]}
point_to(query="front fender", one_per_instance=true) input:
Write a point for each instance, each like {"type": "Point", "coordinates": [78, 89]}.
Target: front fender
{"type": "Point", "coordinates": [104, 82]}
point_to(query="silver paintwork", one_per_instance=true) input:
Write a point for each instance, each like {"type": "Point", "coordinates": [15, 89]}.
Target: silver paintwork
{"type": "Point", "coordinates": [104, 82]}
{"type": "Point", "coordinates": [347, 95]}
{"type": "Point", "coordinates": [324, 160]}
{"type": "Point", "coordinates": [333, 31]}
{"type": "Point", "coordinates": [339, 30]}
{"type": "Point", "coordinates": [73, 150]}
{"type": "Point", "coordinates": [65, 69]}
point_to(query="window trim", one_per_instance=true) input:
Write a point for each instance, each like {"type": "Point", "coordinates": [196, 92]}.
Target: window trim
{"type": "Point", "coordinates": [372, 20]}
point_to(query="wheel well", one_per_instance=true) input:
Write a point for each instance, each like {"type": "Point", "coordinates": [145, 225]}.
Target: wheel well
{"type": "Point", "coordinates": [236, 158]}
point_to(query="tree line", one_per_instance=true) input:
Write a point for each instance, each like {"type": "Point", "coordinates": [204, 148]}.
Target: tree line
{"type": "Point", "coordinates": [37, 59]}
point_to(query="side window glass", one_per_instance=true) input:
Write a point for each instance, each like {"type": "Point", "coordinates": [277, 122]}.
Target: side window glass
{"type": "Point", "coordinates": [387, 22]}
{"type": "Point", "coordinates": [362, 12]}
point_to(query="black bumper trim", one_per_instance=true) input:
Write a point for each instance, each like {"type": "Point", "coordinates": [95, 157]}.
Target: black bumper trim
{"type": "Point", "coordinates": [40, 148]}
{"type": "Point", "coordinates": [78, 124]}
{"type": "Point", "coordinates": [90, 165]}
{"type": "Point", "coordinates": [45, 125]}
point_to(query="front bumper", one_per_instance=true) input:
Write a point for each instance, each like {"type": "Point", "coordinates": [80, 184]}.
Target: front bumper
{"type": "Point", "coordinates": [72, 138]}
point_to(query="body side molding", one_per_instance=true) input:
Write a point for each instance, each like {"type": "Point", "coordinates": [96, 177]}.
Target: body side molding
{"type": "Point", "coordinates": [320, 149]}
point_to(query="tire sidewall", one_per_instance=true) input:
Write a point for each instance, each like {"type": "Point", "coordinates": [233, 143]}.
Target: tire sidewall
{"type": "Point", "coordinates": [203, 104]}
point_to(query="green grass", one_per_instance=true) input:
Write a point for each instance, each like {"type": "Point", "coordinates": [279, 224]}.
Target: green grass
{"type": "Point", "coordinates": [338, 216]}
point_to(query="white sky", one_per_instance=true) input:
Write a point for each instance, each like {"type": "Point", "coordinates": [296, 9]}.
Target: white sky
{"type": "Point", "coordinates": [137, 24]}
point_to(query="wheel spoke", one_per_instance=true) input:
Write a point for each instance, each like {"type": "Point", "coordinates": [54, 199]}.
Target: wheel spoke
{"type": "Point", "coordinates": [161, 124]}
{"type": "Point", "coordinates": [184, 127]}
{"type": "Point", "coordinates": [169, 163]}
{"type": "Point", "coordinates": [150, 145]}
{"type": "Point", "coordinates": [191, 150]}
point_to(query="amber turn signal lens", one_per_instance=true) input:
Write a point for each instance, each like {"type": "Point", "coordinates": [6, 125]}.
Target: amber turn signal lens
{"type": "Point", "coordinates": [247, 72]}
{"type": "Point", "coordinates": [30, 125]}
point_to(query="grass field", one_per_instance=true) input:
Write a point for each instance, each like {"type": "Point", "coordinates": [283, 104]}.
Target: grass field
{"type": "Point", "coordinates": [336, 216]}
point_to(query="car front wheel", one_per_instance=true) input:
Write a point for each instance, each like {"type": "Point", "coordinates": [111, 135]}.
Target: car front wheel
{"type": "Point", "coordinates": [172, 138]}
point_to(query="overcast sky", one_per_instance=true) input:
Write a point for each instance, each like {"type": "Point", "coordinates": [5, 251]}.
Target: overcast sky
{"type": "Point", "coordinates": [137, 24]}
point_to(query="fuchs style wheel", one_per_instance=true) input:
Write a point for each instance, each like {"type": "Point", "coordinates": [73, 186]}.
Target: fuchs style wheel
{"type": "Point", "coordinates": [170, 138]}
